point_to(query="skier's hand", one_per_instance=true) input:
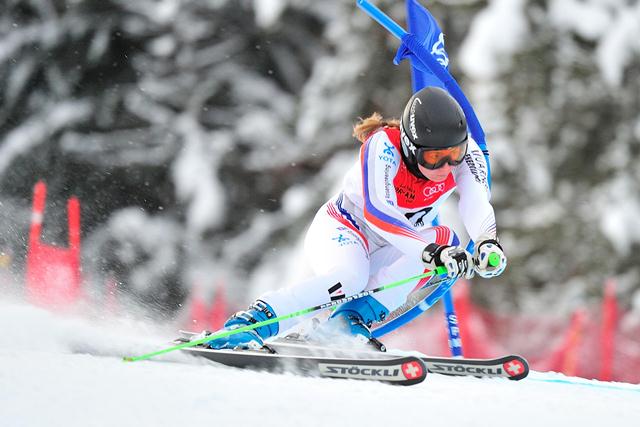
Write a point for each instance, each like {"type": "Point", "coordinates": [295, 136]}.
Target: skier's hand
{"type": "Point", "coordinates": [458, 262]}
{"type": "Point", "coordinates": [489, 258]}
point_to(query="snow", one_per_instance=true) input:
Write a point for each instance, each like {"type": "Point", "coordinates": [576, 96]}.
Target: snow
{"type": "Point", "coordinates": [501, 29]}
{"type": "Point", "coordinates": [268, 11]}
{"type": "Point", "coordinates": [163, 11]}
{"type": "Point", "coordinates": [67, 371]}
{"type": "Point", "coordinates": [37, 130]}
{"type": "Point", "coordinates": [619, 45]}
{"type": "Point", "coordinates": [619, 224]}
{"type": "Point", "coordinates": [496, 33]}
{"type": "Point", "coordinates": [154, 236]}
{"type": "Point", "coordinates": [589, 20]}
{"type": "Point", "coordinates": [614, 25]}
{"type": "Point", "coordinates": [195, 178]}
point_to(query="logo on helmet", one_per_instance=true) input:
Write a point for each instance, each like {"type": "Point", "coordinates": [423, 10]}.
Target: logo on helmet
{"type": "Point", "coordinates": [412, 118]}
{"type": "Point", "coordinates": [407, 145]}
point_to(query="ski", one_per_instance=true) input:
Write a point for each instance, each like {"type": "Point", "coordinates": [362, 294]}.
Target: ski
{"type": "Point", "coordinates": [512, 367]}
{"type": "Point", "coordinates": [398, 370]}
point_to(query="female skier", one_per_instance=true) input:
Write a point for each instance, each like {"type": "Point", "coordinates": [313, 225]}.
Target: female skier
{"type": "Point", "coordinates": [378, 229]}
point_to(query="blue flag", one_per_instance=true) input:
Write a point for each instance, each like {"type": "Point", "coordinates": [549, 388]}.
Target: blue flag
{"type": "Point", "coordinates": [424, 46]}
{"type": "Point", "coordinates": [426, 30]}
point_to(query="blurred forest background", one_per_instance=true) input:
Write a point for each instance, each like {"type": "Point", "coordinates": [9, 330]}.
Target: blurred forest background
{"type": "Point", "coordinates": [202, 135]}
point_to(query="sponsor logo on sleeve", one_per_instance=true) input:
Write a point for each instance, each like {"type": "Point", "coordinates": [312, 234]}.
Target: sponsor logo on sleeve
{"type": "Point", "coordinates": [477, 165]}
{"type": "Point", "coordinates": [388, 182]}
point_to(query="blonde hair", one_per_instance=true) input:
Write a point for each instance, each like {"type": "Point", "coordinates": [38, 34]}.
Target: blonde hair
{"type": "Point", "coordinates": [365, 127]}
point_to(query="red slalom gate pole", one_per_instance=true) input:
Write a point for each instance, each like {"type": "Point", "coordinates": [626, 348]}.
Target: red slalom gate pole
{"type": "Point", "coordinates": [32, 284]}
{"type": "Point", "coordinates": [52, 276]}
{"type": "Point", "coordinates": [570, 358]}
{"type": "Point", "coordinates": [218, 311]}
{"type": "Point", "coordinates": [37, 215]}
{"type": "Point", "coordinates": [197, 319]}
{"type": "Point", "coordinates": [609, 318]}
{"type": "Point", "coordinates": [73, 212]}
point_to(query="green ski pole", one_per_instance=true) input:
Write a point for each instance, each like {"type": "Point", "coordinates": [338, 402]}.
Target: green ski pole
{"type": "Point", "coordinates": [438, 271]}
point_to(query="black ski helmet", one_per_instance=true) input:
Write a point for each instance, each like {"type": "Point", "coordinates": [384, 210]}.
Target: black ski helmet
{"type": "Point", "coordinates": [432, 119]}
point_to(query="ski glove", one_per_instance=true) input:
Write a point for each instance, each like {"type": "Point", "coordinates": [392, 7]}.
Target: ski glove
{"type": "Point", "coordinates": [458, 262]}
{"type": "Point", "coordinates": [486, 263]}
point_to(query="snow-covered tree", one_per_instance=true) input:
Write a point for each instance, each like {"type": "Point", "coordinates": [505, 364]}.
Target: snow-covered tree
{"type": "Point", "coordinates": [557, 84]}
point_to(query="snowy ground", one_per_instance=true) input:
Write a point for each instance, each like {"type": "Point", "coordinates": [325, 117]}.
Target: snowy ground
{"type": "Point", "coordinates": [67, 371]}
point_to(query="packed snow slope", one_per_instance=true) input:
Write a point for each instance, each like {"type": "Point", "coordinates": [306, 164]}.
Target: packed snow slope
{"type": "Point", "coordinates": [67, 371]}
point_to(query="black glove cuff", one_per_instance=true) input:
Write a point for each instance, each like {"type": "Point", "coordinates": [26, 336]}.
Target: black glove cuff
{"type": "Point", "coordinates": [431, 254]}
{"type": "Point", "coordinates": [494, 241]}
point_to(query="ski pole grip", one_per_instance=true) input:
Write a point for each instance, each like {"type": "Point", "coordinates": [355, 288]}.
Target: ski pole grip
{"type": "Point", "coordinates": [494, 259]}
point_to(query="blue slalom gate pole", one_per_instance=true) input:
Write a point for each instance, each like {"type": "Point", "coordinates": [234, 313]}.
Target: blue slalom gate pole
{"type": "Point", "coordinates": [455, 341]}
{"type": "Point", "coordinates": [420, 79]}
{"type": "Point", "coordinates": [382, 18]}
{"type": "Point", "coordinates": [453, 329]}
{"type": "Point", "coordinates": [411, 314]}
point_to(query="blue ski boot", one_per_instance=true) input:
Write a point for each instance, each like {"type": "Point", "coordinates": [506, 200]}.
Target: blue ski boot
{"type": "Point", "coordinates": [259, 311]}
{"type": "Point", "coordinates": [356, 317]}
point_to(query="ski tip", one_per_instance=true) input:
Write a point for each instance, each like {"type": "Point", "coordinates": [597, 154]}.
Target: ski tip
{"type": "Point", "coordinates": [128, 359]}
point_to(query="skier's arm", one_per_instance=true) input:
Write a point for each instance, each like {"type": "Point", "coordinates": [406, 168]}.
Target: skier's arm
{"type": "Point", "coordinates": [380, 160]}
{"type": "Point", "coordinates": [477, 213]}
{"type": "Point", "coordinates": [473, 186]}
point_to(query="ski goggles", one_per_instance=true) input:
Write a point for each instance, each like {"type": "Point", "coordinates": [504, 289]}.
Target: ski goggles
{"type": "Point", "coordinates": [436, 158]}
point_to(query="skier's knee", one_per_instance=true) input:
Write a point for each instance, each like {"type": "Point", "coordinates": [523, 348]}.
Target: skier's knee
{"type": "Point", "coordinates": [352, 282]}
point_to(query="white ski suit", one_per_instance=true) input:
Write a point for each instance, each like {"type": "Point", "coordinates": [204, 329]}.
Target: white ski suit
{"type": "Point", "coordinates": [374, 231]}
